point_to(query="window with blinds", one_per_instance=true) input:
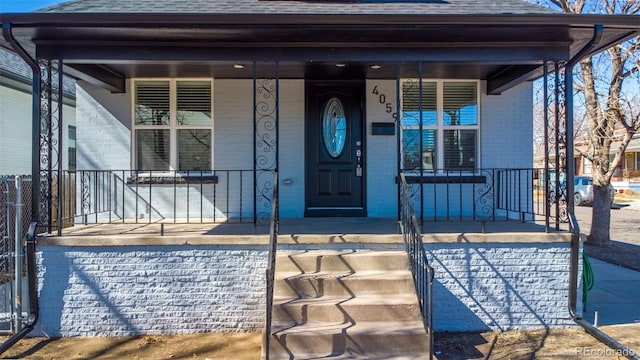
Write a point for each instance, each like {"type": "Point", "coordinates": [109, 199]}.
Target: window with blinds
{"type": "Point", "coordinates": [193, 103]}
{"type": "Point", "coordinates": [444, 115]}
{"type": "Point", "coordinates": [173, 125]}
{"type": "Point", "coordinates": [152, 103]}
{"type": "Point", "coordinates": [71, 143]}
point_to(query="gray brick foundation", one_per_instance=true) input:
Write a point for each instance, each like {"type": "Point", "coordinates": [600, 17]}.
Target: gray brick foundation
{"type": "Point", "coordinates": [177, 289]}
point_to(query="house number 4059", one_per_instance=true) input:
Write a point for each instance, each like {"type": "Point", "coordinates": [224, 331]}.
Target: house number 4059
{"type": "Point", "coordinates": [382, 98]}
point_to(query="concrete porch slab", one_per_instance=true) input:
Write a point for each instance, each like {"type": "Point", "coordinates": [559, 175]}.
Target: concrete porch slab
{"type": "Point", "coordinates": [302, 231]}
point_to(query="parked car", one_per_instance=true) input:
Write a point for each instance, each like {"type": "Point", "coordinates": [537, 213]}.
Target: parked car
{"type": "Point", "coordinates": [583, 191]}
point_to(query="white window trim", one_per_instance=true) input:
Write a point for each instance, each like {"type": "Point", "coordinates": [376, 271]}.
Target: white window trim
{"type": "Point", "coordinates": [173, 126]}
{"type": "Point", "coordinates": [440, 127]}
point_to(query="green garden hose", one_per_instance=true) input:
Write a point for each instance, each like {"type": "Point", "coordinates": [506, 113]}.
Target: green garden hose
{"type": "Point", "coordinates": [587, 278]}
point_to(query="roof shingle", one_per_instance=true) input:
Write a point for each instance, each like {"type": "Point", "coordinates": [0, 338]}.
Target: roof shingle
{"type": "Point", "coordinates": [356, 7]}
{"type": "Point", "coordinates": [12, 64]}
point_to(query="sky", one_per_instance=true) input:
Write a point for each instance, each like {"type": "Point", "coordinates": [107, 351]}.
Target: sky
{"type": "Point", "coordinates": [21, 6]}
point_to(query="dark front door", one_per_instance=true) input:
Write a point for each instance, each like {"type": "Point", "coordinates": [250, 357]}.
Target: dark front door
{"type": "Point", "coordinates": [334, 149]}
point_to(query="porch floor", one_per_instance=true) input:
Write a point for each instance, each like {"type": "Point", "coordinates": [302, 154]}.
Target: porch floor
{"type": "Point", "coordinates": [301, 231]}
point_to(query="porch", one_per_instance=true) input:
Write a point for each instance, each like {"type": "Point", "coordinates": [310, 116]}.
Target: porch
{"type": "Point", "coordinates": [515, 275]}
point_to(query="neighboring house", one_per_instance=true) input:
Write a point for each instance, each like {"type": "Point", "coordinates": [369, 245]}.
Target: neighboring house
{"type": "Point", "coordinates": [627, 175]}
{"type": "Point", "coordinates": [187, 110]}
{"type": "Point", "coordinates": [15, 117]}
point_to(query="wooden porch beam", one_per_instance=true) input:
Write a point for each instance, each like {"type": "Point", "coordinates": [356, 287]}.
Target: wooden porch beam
{"type": "Point", "coordinates": [99, 75]}
{"type": "Point", "coordinates": [169, 52]}
{"type": "Point", "coordinates": [510, 77]}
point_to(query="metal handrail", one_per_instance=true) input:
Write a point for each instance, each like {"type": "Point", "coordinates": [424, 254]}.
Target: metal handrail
{"type": "Point", "coordinates": [274, 229]}
{"type": "Point", "coordinates": [422, 272]}
{"type": "Point", "coordinates": [480, 194]}
{"type": "Point", "coordinates": [133, 196]}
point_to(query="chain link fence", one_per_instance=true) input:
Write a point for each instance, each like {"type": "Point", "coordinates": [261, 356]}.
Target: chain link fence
{"type": "Point", "coordinates": [8, 217]}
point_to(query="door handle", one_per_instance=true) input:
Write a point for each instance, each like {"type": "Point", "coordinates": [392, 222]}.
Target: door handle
{"type": "Point", "coordinates": [358, 162]}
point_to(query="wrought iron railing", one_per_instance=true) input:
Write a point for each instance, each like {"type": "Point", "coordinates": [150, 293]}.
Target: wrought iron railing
{"type": "Point", "coordinates": [422, 271]}
{"type": "Point", "coordinates": [479, 195]}
{"type": "Point", "coordinates": [129, 196]}
{"type": "Point", "coordinates": [274, 229]}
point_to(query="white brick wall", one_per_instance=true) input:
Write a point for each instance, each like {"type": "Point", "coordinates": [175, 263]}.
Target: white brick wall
{"type": "Point", "coordinates": [292, 120]}
{"type": "Point", "coordinates": [381, 152]}
{"type": "Point", "coordinates": [104, 139]}
{"type": "Point", "coordinates": [104, 142]}
{"type": "Point", "coordinates": [507, 127]}
{"type": "Point", "coordinates": [500, 286]}
{"type": "Point", "coordinates": [233, 123]}
{"type": "Point", "coordinates": [118, 291]}
{"type": "Point", "coordinates": [103, 129]}
{"type": "Point", "coordinates": [133, 290]}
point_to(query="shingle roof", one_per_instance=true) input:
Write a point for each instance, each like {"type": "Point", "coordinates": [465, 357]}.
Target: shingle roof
{"type": "Point", "coordinates": [11, 64]}
{"type": "Point", "coordinates": [356, 7]}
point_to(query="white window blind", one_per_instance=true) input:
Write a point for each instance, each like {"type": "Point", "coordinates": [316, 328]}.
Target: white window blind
{"type": "Point", "coordinates": [449, 125]}
{"type": "Point", "coordinates": [152, 103]}
{"type": "Point", "coordinates": [173, 125]}
{"type": "Point", "coordinates": [460, 104]}
{"type": "Point", "coordinates": [194, 103]}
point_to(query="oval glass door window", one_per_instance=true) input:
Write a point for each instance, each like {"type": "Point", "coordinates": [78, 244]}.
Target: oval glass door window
{"type": "Point", "coordinates": [334, 127]}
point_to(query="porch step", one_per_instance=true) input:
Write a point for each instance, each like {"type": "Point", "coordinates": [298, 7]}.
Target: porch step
{"type": "Point", "coordinates": [401, 307]}
{"type": "Point", "coordinates": [318, 284]}
{"type": "Point", "coordinates": [369, 339]}
{"type": "Point", "coordinates": [346, 304]}
{"type": "Point", "coordinates": [342, 260]}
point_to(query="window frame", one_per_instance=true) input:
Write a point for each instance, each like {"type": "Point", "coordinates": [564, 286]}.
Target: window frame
{"type": "Point", "coordinates": [440, 127]}
{"type": "Point", "coordinates": [173, 126]}
{"type": "Point", "coordinates": [72, 159]}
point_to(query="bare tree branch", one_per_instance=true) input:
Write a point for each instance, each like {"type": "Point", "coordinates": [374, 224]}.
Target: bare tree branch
{"type": "Point", "coordinates": [612, 116]}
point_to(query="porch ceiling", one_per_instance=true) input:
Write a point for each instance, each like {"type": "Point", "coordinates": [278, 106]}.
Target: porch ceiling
{"type": "Point", "coordinates": [505, 50]}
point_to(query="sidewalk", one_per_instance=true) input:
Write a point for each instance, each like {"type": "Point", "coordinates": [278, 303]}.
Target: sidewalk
{"type": "Point", "coordinates": [615, 295]}
{"type": "Point", "coordinates": [626, 203]}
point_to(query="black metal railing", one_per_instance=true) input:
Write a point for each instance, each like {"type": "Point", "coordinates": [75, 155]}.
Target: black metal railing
{"type": "Point", "coordinates": [420, 268]}
{"type": "Point", "coordinates": [130, 196]}
{"type": "Point", "coordinates": [274, 229]}
{"type": "Point", "coordinates": [479, 195]}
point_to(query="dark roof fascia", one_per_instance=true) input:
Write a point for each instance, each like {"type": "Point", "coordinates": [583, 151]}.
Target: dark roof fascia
{"type": "Point", "coordinates": [177, 20]}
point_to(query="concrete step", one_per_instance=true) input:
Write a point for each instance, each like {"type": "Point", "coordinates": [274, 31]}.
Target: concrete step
{"type": "Point", "coordinates": [342, 261]}
{"type": "Point", "coordinates": [348, 284]}
{"type": "Point", "coordinates": [346, 304]}
{"type": "Point", "coordinates": [367, 339]}
{"type": "Point", "coordinates": [401, 307]}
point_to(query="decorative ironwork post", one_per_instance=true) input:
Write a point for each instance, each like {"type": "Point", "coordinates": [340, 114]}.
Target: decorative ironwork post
{"type": "Point", "coordinates": [399, 139]}
{"type": "Point", "coordinates": [410, 136]}
{"type": "Point", "coordinates": [50, 137]}
{"type": "Point", "coordinates": [556, 136]}
{"type": "Point", "coordinates": [266, 114]}
{"type": "Point", "coordinates": [421, 137]}
{"type": "Point", "coordinates": [545, 106]}
{"type": "Point", "coordinates": [59, 176]}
